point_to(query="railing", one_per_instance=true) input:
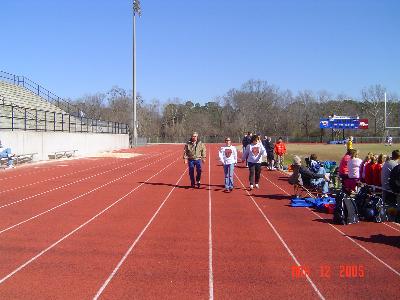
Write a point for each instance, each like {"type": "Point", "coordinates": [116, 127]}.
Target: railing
{"type": "Point", "coordinates": [15, 117]}
{"type": "Point", "coordinates": [39, 90]}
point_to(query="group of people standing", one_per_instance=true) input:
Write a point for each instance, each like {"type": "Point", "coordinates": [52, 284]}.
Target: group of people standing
{"type": "Point", "coordinates": [254, 150]}
{"type": "Point", "coordinates": [195, 153]}
{"type": "Point", "coordinates": [374, 170]}
{"type": "Point", "coordinates": [275, 153]}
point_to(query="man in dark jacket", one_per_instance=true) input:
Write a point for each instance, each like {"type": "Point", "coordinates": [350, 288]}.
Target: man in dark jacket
{"type": "Point", "coordinates": [193, 154]}
{"type": "Point", "coordinates": [269, 147]}
{"type": "Point", "coordinates": [246, 141]}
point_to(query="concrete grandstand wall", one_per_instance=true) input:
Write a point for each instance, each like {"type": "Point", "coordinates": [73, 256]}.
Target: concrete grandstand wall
{"type": "Point", "coordinates": [45, 143]}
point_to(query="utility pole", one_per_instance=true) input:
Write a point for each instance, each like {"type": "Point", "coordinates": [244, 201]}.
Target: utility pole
{"type": "Point", "coordinates": [136, 10]}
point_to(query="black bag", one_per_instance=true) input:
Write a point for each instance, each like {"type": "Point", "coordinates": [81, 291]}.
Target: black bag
{"type": "Point", "coordinates": [375, 210]}
{"type": "Point", "coordinates": [345, 210]}
{"type": "Point", "coordinates": [362, 197]}
{"type": "Point", "coordinates": [338, 213]}
{"type": "Point", "coordinates": [394, 180]}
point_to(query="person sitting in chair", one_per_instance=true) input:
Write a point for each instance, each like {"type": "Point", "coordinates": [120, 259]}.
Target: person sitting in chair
{"type": "Point", "coordinates": [311, 178]}
{"type": "Point", "coordinates": [6, 153]}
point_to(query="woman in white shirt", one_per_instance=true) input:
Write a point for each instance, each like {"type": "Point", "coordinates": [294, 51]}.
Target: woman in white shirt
{"type": "Point", "coordinates": [228, 157]}
{"type": "Point", "coordinates": [253, 154]}
{"type": "Point", "coordinates": [353, 165]}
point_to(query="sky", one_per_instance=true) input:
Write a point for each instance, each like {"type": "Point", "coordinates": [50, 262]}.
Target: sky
{"type": "Point", "coordinates": [198, 50]}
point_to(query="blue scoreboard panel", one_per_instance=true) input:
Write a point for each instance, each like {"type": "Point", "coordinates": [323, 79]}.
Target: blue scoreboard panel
{"type": "Point", "coordinates": [343, 123]}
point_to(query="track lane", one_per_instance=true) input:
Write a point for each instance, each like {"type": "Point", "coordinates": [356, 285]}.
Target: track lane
{"type": "Point", "coordinates": [172, 258]}
{"type": "Point", "coordinates": [47, 205]}
{"type": "Point", "coordinates": [71, 269]}
{"type": "Point", "coordinates": [61, 183]}
{"type": "Point", "coordinates": [375, 237]}
{"type": "Point", "coordinates": [136, 204]}
{"type": "Point", "coordinates": [39, 171]}
{"type": "Point", "coordinates": [42, 201]}
{"type": "Point", "coordinates": [299, 228]}
{"type": "Point", "coordinates": [249, 260]}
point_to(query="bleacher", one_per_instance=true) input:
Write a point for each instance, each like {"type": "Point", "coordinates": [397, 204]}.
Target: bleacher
{"type": "Point", "coordinates": [22, 109]}
{"type": "Point", "coordinates": [19, 96]}
{"type": "Point", "coordinates": [26, 105]}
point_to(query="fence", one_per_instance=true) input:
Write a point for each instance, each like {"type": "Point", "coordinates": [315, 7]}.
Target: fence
{"type": "Point", "coordinates": [39, 90]}
{"type": "Point", "coordinates": [15, 117]}
{"type": "Point", "coordinates": [287, 139]}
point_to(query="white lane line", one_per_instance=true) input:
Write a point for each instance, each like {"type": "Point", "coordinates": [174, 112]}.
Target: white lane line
{"type": "Point", "coordinates": [42, 169]}
{"type": "Point", "coordinates": [359, 245]}
{"type": "Point", "coordinates": [282, 241]}
{"type": "Point", "coordinates": [77, 197]}
{"type": "Point", "coordinates": [118, 266]}
{"type": "Point", "coordinates": [68, 184]}
{"type": "Point", "coordinates": [394, 228]}
{"type": "Point", "coordinates": [78, 228]}
{"type": "Point", "coordinates": [343, 234]}
{"type": "Point", "coordinates": [54, 178]}
{"type": "Point", "coordinates": [210, 242]}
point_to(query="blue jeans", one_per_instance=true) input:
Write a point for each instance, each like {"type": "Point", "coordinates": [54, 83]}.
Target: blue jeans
{"type": "Point", "coordinates": [228, 171]}
{"type": "Point", "coordinates": [192, 165]}
{"type": "Point", "coordinates": [320, 182]}
{"type": "Point", "coordinates": [6, 154]}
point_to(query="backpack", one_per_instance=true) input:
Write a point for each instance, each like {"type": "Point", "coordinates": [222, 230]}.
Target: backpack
{"type": "Point", "coordinates": [362, 197]}
{"type": "Point", "coordinates": [374, 210]}
{"type": "Point", "coordinates": [394, 180]}
{"type": "Point", "coordinates": [345, 211]}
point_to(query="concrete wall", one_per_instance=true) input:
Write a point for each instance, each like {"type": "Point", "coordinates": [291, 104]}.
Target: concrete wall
{"type": "Point", "coordinates": [44, 143]}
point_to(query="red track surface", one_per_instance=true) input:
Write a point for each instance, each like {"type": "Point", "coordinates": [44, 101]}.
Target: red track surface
{"type": "Point", "coordinates": [130, 228]}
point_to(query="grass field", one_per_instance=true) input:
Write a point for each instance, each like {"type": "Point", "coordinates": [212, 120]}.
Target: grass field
{"type": "Point", "coordinates": [332, 152]}
{"type": "Point", "coordinates": [335, 152]}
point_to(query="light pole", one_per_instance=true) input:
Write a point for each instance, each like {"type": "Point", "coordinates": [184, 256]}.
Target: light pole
{"type": "Point", "coordinates": [136, 10]}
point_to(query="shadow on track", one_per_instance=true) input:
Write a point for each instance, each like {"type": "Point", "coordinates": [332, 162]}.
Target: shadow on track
{"type": "Point", "coordinates": [272, 197]}
{"type": "Point", "coordinates": [217, 187]}
{"type": "Point", "coordinates": [393, 241]}
{"type": "Point", "coordinates": [330, 221]}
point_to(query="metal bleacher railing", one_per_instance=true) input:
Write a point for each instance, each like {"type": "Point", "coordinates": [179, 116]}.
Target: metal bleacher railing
{"type": "Point", "coordinates": [39, 90]}
{"type": "Point", "coordinates": [16, 117]}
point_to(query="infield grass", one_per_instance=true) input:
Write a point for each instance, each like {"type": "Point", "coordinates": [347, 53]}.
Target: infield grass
{"type": "Point", "coordinates": [334, 152]}
{"type": "Point", "coordinates": [331, 152]}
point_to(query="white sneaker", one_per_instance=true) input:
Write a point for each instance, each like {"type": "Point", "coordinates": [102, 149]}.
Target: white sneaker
{"type": "Point", "coordinates": [257, 186]}
{"type": "Point", "coordinates": [10, 167]}
{"type": "Point", "coordinates": [251, 187]}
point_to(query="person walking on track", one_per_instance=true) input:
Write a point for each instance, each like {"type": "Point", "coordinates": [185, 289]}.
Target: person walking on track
{"type": "Point", "coordinates": [193, 154]}
{"type": "Point", "coordinates": [280, 150]}
{"type": "Point", "coordinates": [269, 147]}
{"type": "Point", "coordinates": [246, 141]}
{"type": "Point", "coordinates": [228, 157]}
{"type": "Point", "coordinates": [253, 154]}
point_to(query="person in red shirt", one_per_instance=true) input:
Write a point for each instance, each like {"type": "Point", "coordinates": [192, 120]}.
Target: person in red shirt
{"type": "Point", "coordinates": [343, 169]}
{"type": "Point", "coordinates": [366, 160]}
{"type": "Point", "coordinates": [368, 170]}
{"type": "Point", "coordinates": [280, 151]}
{"type": "Point", "coordinates": [377, 170]}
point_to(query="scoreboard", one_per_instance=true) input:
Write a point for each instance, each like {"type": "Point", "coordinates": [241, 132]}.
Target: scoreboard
{"type": "Point", "coordinates": [343, 122]}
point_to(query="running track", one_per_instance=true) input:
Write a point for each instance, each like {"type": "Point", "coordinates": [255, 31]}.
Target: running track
{"type": "Point", "coordinates": [107, 228]}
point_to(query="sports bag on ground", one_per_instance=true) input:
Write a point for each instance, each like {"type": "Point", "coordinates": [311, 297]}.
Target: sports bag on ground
{"type": "Point", "coordinates": [374, 210]}
{"type": "Point", "coordinates": [345, 210]}
{"type": "Point", "coordinates": [362, 197]}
